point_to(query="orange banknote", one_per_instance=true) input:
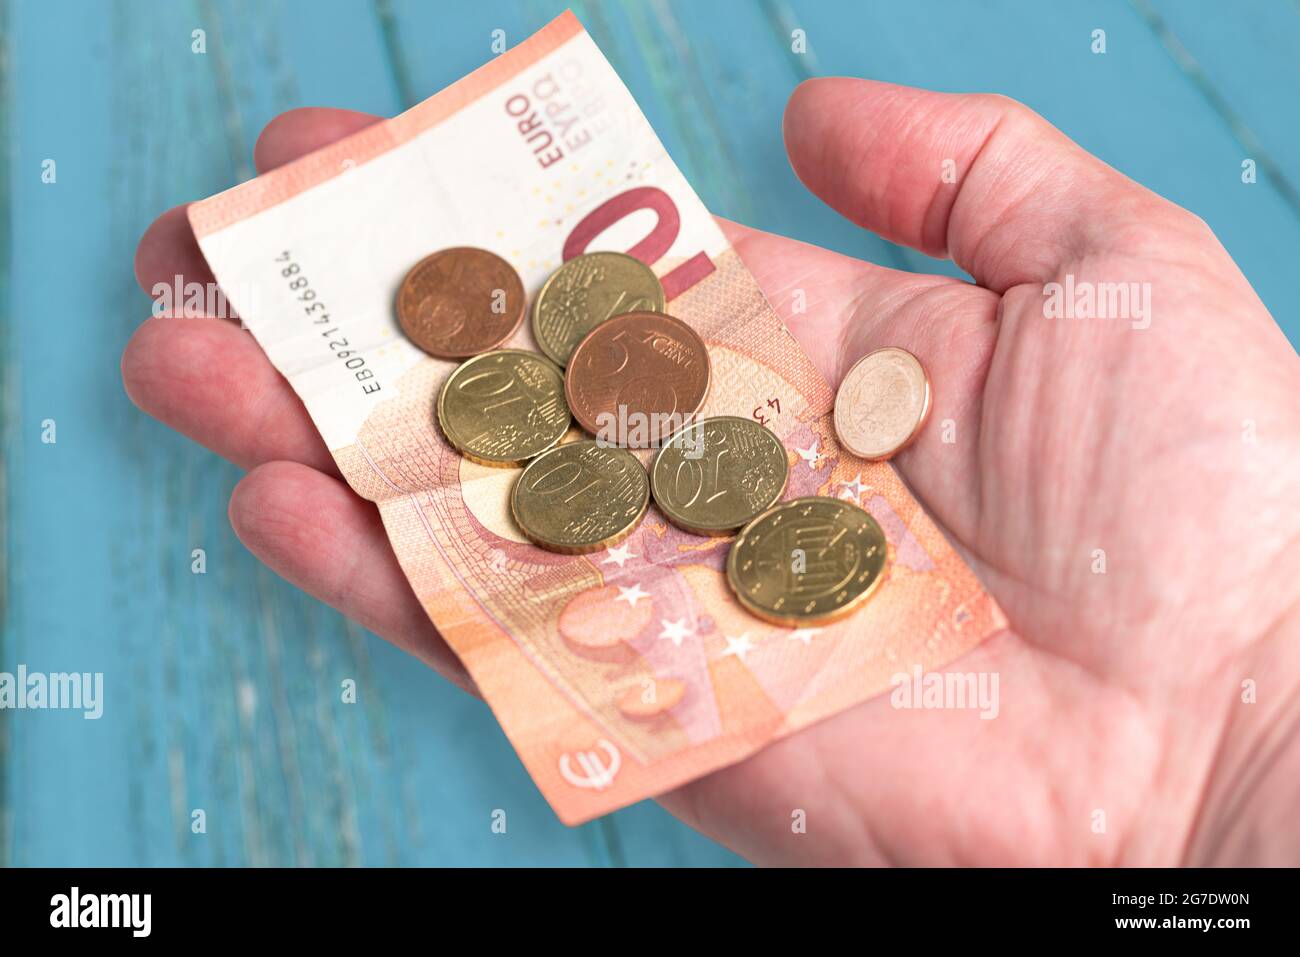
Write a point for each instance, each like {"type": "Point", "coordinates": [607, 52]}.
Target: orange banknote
{"type": "Point", "coordinates": [621, 674]}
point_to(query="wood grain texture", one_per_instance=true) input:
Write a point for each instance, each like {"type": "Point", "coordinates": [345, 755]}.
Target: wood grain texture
{"type": "Point", "coordinates": [1135, 106]}
{"type": "Point", "coordinates": [8, 430]}
{"type": "Point", "coordinates": [223, 689]}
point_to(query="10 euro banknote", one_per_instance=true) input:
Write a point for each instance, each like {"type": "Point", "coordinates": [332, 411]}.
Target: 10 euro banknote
{"type": "Point", "coordinates": [609, 672]}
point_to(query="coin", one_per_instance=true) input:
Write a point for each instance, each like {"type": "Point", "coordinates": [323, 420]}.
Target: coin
{"type": "Point", "coordinates": [460, 302]}
{"type": "Point", "coordinates": [504, 407]}
{"type": "Point", "coordinates": [716, 474]}
{"type": "Point", "coordinates": [637, 378]}
{"type": "Point", "coordinates": [580, 497]}
{"type": "Point", "coordinates": [586, 291]}
{"type": "Point", "coordinates": [882, 404]}
{"type": "Point", "coordinates": [807, 561]}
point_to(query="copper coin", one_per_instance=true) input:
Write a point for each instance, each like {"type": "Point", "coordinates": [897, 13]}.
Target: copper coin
{"type": "Point", "coordinates": [637, 378]}
{"type": "Point", "coordinates": [882, 404]}
{"type": "Point", "coordinates": [460, 302]}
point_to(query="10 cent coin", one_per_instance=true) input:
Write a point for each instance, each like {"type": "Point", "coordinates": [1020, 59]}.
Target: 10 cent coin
{"type": "Point", "coordinates": [580, 497]}
{"type": "Point", "coordinates": [504, 407]}
{"type": "Point", "coordinates": [718, 473]}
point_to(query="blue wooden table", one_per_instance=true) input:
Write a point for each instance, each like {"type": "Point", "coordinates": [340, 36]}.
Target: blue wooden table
{"type": "Point", "coordinates": [222, 689]}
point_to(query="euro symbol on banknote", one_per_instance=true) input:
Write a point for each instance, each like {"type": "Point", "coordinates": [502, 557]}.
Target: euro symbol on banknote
{"type": "Point", "coordinates": [597, 771]}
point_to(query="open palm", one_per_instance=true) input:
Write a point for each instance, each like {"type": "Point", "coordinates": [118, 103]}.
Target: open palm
{"type": "Point", "coordinates": [1124, 487]}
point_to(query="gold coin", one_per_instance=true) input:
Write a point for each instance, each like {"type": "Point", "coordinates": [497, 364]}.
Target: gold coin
{"type": "Point", "coordinates": [882, 404]}
{"type": "Point", "coordinates": [716, 474]}
{"type": "Point", "coordinates": [504, 407]}
{"type": "Point", "coordinates": [586, 291]}
{"type": "Point", "coordinates": [807, 561]}
{"type": "Point", "coordinates": [580, 497]}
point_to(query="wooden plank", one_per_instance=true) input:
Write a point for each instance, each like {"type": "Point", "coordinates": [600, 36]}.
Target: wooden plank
{"type": "Point", "coordinates": [9, 427]}
{"type": "Point", "coordinates": [1132, 106]}
{"type": "Point", "coordinates": [70, 796]}
{"type": "Point", "coordinates": [270, 57]}
{"type": "Point", "coordinates": [734, 68]}
{"type": "Point", "coordinates": [210, 706]}
{"type": "Point", "coordinates": [1243, 61]}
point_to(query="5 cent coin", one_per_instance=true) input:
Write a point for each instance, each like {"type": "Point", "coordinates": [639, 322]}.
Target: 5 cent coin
{"type": "Point", "coordinates": [637, 378]}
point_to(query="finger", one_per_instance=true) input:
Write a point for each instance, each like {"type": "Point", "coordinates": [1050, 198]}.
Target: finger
{"type": "Point", "coordinates": [312, 530]}
{"type": "Point", "coordinates": [213, 384]}
{"type": "Point", "coordinates": [296, 133]}
{"type": "Point", "coordinates": [979, 178]}
{"type": "Point", "coordinates": [210, 380]}
{"type": "Point", "coordinates": [169, 256]}
{"type": "Point", "coordinates": [168, 251]}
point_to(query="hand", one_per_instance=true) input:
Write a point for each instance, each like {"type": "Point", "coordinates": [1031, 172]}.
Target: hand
{"type": "Point", "coordinates": [1170, 452]}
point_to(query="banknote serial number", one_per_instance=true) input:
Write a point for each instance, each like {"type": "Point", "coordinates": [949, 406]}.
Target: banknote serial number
{"type": "Point", "coordinates": [318, 315]}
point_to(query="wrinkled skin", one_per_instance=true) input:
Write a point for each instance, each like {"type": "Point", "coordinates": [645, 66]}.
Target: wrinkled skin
{"type": "Point", "coordinates": [1173, 449]}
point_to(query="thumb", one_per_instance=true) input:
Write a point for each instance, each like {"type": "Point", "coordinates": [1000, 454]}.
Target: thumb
{"type": "Point", "coordinates": [977, 177]}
